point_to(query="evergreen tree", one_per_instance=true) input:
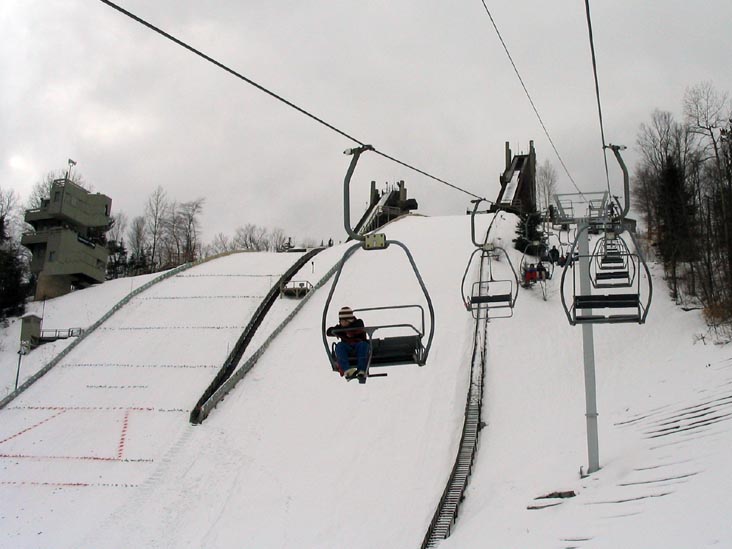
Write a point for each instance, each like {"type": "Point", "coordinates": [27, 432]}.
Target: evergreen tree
{"type": "Point", "coordinates": [117, 262]}
{"type": "Point", "coordinates": [675, 214]}
{"type": "Point", "coordinates": [529, 231]}
{"type": "Point", "coordinates": [12, 271]}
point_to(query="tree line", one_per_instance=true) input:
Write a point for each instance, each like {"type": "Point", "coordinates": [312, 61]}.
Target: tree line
{"type": "Point", "coordinates": [682, 188]}
{"type": "Point", "coordinates": [14, 282]}
{"type": "Point", "coordinates": [167, 234]}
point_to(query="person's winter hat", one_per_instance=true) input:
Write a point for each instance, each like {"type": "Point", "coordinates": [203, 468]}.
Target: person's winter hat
{"type": "Point", "coordinates": [345, 314]}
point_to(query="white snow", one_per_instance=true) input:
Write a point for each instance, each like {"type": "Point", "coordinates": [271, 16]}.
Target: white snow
{"type": "Point", "coordinates": [99, 452]}
{"type": "Point", "coordinates": [511, 186]}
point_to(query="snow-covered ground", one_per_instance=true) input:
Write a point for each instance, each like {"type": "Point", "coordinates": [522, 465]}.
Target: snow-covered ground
{"type": "Point", "coordinates": [74, 310]}
{"type": "Point", "coordinates": [99, 453]}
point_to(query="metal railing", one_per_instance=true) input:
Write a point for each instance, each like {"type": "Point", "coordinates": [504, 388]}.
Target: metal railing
{"type": "Point", "coordinates": [197, 414]}
{"type": "Point", "coordinates": [53, 335]}
{"type": "Point", "coordinates": [210, 403]}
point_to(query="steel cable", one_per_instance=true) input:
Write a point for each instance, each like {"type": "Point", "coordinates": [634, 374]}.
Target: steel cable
{"type": "Point", "coordinates": [271, 93]}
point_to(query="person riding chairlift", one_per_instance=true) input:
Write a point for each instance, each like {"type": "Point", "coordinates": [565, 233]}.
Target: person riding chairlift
{"type": "Point", "coordinates": [541, 272]}
{"type": "Point", "coordinates": [530, 275]}
{"type": "Point", "coordinates": [353, 342]}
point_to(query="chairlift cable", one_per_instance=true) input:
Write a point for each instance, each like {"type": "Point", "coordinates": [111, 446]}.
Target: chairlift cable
{"type": "Point", "coordinates": [426, 174]}
{"type": "Point", "coordinates": [269, 92]}
{"type": "Point", "coordinates": [597, 91]}
{"type": "Point", "coordinates": [528, 95]}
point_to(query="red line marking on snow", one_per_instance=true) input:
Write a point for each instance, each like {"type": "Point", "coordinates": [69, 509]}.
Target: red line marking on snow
{"type": "Point", "coordinates": [98, 409]}
{"type": "Point", "coordinates": [123, 436]}
{"type": "Point", "coordinates": [78, 458]}
{"type": "Point", "coordinates": [31, 427]}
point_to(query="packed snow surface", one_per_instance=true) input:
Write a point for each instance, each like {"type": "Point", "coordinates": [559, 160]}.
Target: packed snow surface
{"type": "Point", "coordinates": [99, 453]}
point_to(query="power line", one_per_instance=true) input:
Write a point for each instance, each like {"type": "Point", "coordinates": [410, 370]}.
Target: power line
{"type": "Point", "coordinates": [269, 92]}
{"type": "Point", "coordinates": [597, 92]}
{"type": "Point", "coordinates": [528, 95]}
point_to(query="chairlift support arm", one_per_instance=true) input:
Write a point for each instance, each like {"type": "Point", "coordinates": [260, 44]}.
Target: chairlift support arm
{"type": "Point", "coordinates": [626, 179]}
{"type": "Point", "coordinates": [355, 154]}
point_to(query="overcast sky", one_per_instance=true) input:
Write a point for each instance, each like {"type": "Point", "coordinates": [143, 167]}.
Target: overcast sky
{"type": "Point", "coordinates": [427, 82]}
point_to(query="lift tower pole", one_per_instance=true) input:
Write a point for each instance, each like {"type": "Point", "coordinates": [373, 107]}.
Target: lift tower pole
{"type": "Point", "coordinates": [601, 216]}
{"type": "Point", "coordinates": [588, 351]}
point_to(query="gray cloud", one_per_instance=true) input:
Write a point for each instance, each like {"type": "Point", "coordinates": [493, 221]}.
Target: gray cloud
{"type": "Point", "coordinates": [426, 82]}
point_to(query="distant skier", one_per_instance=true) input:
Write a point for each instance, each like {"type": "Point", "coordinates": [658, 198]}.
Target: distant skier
{"type": "Point", "coordinates": [353, 342]}
{"type": "Point", "coordinates": [554, 255]}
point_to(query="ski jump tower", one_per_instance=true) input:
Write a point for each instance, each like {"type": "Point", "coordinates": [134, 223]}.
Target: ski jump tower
{"type": "Point", "coordinates": [68, 242]}
{"type": "Point", "coordinates": [518, 182]}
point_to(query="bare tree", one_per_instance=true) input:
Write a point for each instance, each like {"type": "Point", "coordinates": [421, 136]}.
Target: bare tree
{"type": "Point", "coordinates": [251, 238]}
{"type": "Point", "coordinates": [42, 189]}
{"type": "Point", "coordinates": [662, 140]}
{"type": "Point", "coordinates": [137, 241]}
{"type": "Point", "coordinates": [9, 213]}
{"type": "Point", "coordinates": [706, 111]}
{"type": "Point", "coordinates": [170, 245]}
{"type": "Point", "coordinates": [654, 141]}
{"type": "Point", "coordinates": [8, 202]}
{"type": "Point", "coordinates": [220, 244]}
{"type": "Point", "coordinates": [155, 212]}
{"type": "Point", "coordinates": [277, 239]}
{"type": "Point", "coordinates": [546, 184]}
{"type": "Point", "coordinates": [190, 223]}
{"type": "Point", "coordinates": [119, 227]}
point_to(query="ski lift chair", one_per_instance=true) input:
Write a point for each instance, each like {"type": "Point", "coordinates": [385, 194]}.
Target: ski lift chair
{"type": "Point", "coordinates": [630, 304]}
{"type": "Point", "coordinates": [386, 350]}
{"type": "Point", "coordinates": [296, 289]}
{"type": "Point", "coordinates": [490, 297]}
{"type": "Point", "coordinates": [614, 265]}
{"type": "Point", "coordinates": [391, 350]}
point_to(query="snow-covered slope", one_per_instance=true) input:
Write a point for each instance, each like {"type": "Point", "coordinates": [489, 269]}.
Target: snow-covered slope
{"type": "Point", "coordinates": [74, 310]}
{"type": "Point", "coordinates": [99, 452]}
{"type": "Point", "coordinates": [664, 398]}
{"type": "Point", "coordinates": [104, 416]}
{"type": "Point", "coordinates": [296, 457]}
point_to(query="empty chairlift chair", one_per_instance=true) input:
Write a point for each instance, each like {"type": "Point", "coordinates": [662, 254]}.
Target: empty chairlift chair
{"type": "Point", "coordinates": [296, 289]}
{"type": "Point", "coordinates": [491, 296]}
{"type": "Point", "coordinates": [614, 265]}
{"type": "Point", "coordinates": [604, 299]}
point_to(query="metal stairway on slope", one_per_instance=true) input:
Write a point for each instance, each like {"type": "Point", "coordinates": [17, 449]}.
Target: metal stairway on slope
{"type": "Point", "coordinates": [447, 510]}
